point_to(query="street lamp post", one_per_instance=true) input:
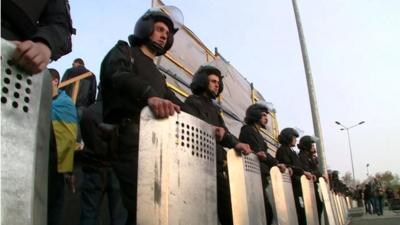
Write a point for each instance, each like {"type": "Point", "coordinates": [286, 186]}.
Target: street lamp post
{"type": "Point", "coordinates": [367, 170]}
{"type": "Point", "coordinates": [348, 137]}
{"type": "Point", "coordinates": [311, 92]}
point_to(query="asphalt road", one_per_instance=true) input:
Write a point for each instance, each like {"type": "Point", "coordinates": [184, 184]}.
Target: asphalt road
{"type": "Point", "coordinates": [388, 218]}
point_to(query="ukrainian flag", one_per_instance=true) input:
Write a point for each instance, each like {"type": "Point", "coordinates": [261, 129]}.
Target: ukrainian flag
{"type": "Point", "coordinates": [64, 119]}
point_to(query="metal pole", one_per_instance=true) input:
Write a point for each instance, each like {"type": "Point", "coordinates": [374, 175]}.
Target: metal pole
{"type": "Point", "coordinates": [351, 157]}
{"type": "Point", "coordinates": [311, 93]}
{"type": "Point", "coordinates": [348, 138]}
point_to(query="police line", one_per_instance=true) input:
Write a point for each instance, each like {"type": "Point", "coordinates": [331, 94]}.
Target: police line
{"type": "Point", "coordinates": [177, 161]}
{"type": "Point", "coordinates": [177, 180]}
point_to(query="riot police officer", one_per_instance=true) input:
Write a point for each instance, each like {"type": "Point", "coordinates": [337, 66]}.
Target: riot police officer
{"type": "Point", "coordinates": [285, 154]}
{"type": "Point", "coordinates": [206, 86]}
{"type": "Point", "coordinates": [130, 81]}
{"type": "Point", "coordinates": [309, 162]}
{"type": "Point", "coordinates": [257, 118]}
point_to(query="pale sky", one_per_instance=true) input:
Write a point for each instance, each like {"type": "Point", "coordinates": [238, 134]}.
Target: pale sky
{"type": "Point", "coordinates": [354, 51]}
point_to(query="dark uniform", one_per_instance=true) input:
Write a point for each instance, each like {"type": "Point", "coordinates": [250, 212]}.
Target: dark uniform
{"type": "Point", "coordinates": [204, 108]}
{"type": "Point", "coordinates": [200, 104]}
{"type": "Point", "coordinates": [289, 157]}
{"type": "Point", "coordinates": [128, 78]}
{"type": "Point", "coordinates": [310, 164]}
{"type": "Point", "coordinates": [250, 135]}
{"type": "Point", "coordinates": [46, 21]}
{"type": "Point", "coordinates": [98, 176]}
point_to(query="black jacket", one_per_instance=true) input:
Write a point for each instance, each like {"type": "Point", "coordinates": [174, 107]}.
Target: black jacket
{"type": "Point", "coordinates": [96, 152]}
{"type": "Point", "coordinates": [286, 155]}
{"type": "Point", "coordinates": [204, 108]}
{"type": "Point", "coordinates": [309, 164]}
{"type": "Point", "coordinates": [87, 86]}
{"type": "Point", "coordinates": [250, 136]}
{"type": "Point", "coordinates": [47, 21]}
{"type": "Point", "coordinates": [128, 78]}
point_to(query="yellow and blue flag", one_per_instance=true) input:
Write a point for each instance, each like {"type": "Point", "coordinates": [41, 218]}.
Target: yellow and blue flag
{"type": "Point", "coordinates": [64, 119]}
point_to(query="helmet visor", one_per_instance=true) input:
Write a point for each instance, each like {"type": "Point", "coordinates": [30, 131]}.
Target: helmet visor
{"type": "Point", "coordinates": [175, 14]}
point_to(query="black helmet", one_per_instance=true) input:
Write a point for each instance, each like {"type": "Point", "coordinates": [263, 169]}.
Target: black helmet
{"type": "Point", "coordinates": [145, 26]}
{"type": "Point", "coordinates": [200, 80]}
{"type": "Point", "coordinates": [306, 142]}
{"type": "Point", "coordinates": [285, 137]}
{"type": "Point", "coordinates": [253, 113]}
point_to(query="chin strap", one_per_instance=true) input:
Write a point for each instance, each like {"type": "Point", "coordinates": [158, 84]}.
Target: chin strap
{"type": "Point", "coordinates": [211, 94]}
{"type": "Point", "coordinates": [156, 48]}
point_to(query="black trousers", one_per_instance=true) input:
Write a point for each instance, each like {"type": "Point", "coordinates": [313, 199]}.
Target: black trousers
{"type": "Point", "coordinates": [320, 204]}
{"type": "Point", "coordinates": [126, 168]}
{"type": "Point", "coordinates": [301, 213]}
{"type": "Point", "coordinates": [268, 208]}
{"type": "Point", "coordinates": [224, 199]}
{"type": "Point", "coordinates": [55, 199]}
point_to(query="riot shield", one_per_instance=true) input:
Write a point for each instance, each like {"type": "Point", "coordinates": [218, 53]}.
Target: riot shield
{"type": "Point", "coordinates": [338, 208]}
{"type": "Point", "coordinates": [25, 126]}
{"type": "Point", "coordinates": [348, 202]}
{"type": "Point", "coordinates": [310, 203]}
{"type": "Point", "coordinates": [177, 171]}
{"type": "Point", "coordinates": [283, 197]}
{"type": "Point", "coordinates": [344, 207]}
{"type": "Point", "coordinates": [246, 189]}
{"type": "Point", "coordinates": [328, 203]}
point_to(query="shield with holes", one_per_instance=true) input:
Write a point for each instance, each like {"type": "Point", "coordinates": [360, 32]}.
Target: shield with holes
{"type": "Point", "coordinates": [246, 189]}
{"type": "Point", "coordinates": [25, 126]}
{"type": "Point", "coordinates": [177, 171]}
{"type": "Point", "coordinates": [310, 203]}
{"type": "Point", "coordinates": [283, 197]}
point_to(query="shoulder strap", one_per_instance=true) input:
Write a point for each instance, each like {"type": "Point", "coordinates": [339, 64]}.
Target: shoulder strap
{"type": "Point", "coordinates": [128, 49]}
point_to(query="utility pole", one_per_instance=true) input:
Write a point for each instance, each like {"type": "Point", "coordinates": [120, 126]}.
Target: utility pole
{"type": "Point", "coordinates": [311, 92]}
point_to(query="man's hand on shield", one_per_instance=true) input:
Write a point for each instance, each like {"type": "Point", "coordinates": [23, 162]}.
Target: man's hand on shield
{"type": "Point", "coordinates": [308, 175]}
{"type": "Point", "coordinates": [244, 148]}
{"type": "Point", "coordinates": [261, 155]}
{"type": "Point", "coordinates": [219, 133]}
{"type": "Point", "coordinates": [162, 108]}
{"type": "Point", "coordinates": [31, 56]}
{"type": "Point", "coordinates": [281, 167]}
{"type": "Point", "coordinates": [290, 171]}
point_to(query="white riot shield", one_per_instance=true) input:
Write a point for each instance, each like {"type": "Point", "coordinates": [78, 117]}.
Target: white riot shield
{"type": "Point", "coordinates": [283, 197]}
{"type": "Point", "coordinates": [246, 189]}
{"type": "Point", "coordinates": [310, 203]}
{"type": "Point", "coordinates": [348, 202]}
{"type": "Point", "coordinates": [335, 208]}
{"type": "Point", "coordinates": [25, 126]}
{"type": "Point", "coordinates": [177, 171]}
{"type": "Point", "coordinates": [328, 203]}
{"type": "Point", "coordinates": [344, 207]}
{"type": "Point", "coordinates": [338, 208]}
